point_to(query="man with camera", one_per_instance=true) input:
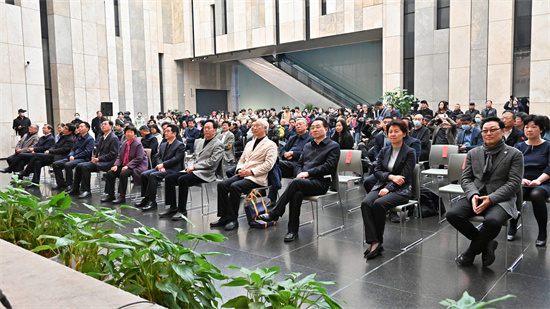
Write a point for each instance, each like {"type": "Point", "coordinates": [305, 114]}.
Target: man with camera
{"type": "Point", "coordinates": [444, 130]}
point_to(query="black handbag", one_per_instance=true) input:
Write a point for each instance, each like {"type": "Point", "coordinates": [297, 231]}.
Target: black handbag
{"type": "Point", "coordinates": [254, 206]}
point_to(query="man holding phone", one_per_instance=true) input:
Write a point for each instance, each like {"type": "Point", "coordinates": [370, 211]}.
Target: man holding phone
{"type": "Point", "coordinates": [444, 130]}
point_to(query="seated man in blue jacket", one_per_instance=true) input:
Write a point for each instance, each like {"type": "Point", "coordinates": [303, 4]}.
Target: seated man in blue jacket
{"type": "Point", "coordinates": [81, 152]}
{"type": "Point", "coordinates": [103, 158]}
{"type": "Point", "coordinates": [169, 161]}
{"type": "Point", "coordinates": [190, 135]}
{"type": "Point", "coordinates": [469, 137]}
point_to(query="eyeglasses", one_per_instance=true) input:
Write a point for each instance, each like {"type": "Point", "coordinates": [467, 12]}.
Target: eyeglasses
{"type": "Point", "coordinates": [489, 131]}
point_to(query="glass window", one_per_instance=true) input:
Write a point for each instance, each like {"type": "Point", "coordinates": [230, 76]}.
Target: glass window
{"type": "Point", "coordinates": [443, 14]}
{"type": "Point", "coordinates": [117, 21]}
{"type": "Point", "coordinates": [10, 2]}
{"type": "Point", "coordinates": [323, 7]}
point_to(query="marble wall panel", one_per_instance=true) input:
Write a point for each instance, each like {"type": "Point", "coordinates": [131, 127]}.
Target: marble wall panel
{"type": "Point", "coordinates": [540, 79]}
{"type": "Point", "coordinates": [3, 25]}
{"type": "Point", "coordinates": [60, 41]}
{"type": "Point", "coordinates": [459, 47]}
{"type": "Point", "coordinates": [76, 36]}
{"type": "Point", "coordinates": [80, 101]}
{"type": "Point", "coordinates": [441, 41]}
{"type": "Point", "coordinates": [478, 75]}
{"type": "Point", "coordinates": [500, 42]}
{"type": "Point", "coordinates": [499, 83]}
{"type": "Point", "coordinates": [440, 78]}
{"type": "Point", "coordinates": [35, 5]}
{"type": "Point", "coordinates": [75, 9]}
{"type": "Point", "coordinates": [5, 72]}
{"type": "Point", "coordinates": [541, 7]}
{"type": "Point", "coordinates": [540, 37]}
{"type": "Point", "coordinates": [9, 110]}
{"type": "Point", "coordinates": [460, 13]}
{"type": "Point", "coordinates": [372, 17]}
{"type": "Point", "coordinates": [424, 31]}
{"type": "Point", "coordinates": [19, 97]}
{"type": "Point", "coordinates": [17, 64]}
{"type": "Point", "coordinates": [479, 24]}
{"type": "Point", "coordinates": [91, 68]}
{"type": "Point", "coordinates": [64, 80]}
{"type": "Point", "coordinates": [60, 7]}
{"type": "Point", "coordinates": [459, 84]}
{"type": "Point", "coordinates": [423, 76]}
{"type": "Point", "coordinates": [101, 41]}
{"type": "Point", "coordinates": [35, 70]}
{"type": "Point", "coordinates": [31, 24]}
{"type": "Point", "coordinates": [500, 10]}
{"type": "Point", "coordinates": [12, 24]}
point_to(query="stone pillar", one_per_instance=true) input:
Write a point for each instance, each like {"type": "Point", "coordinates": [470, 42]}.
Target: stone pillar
{"type": "Point", "coordinates": [540, 58]}
{"type": "Point", "coordinates": [500, 55]}
{"type": "Point", "coordinates": [459, 52]}
{"type": "Point", "coordinates": [478, 53]}
{"type": "Point", "coordinates": [392, 44]}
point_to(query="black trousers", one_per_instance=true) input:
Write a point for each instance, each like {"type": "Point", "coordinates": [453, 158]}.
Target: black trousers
{"type": "Point", "coordinates": [68, 166]}
{"type": "Point", "coordinates": [229, 196]}
{"type": "Point", "coordinates": [17, 162]}
{"type": "Point", "coordinates": [37, 162]}
{"type": "Point", "coordinates": [82, 175]}
{"type": "Point", "coordinates": [373, 210]}
{"type": "Point", "coordinates": [183, 181]}
{"type": "Point", "coordinates": [110, 180]}
{"type": "Point", "coordinates": [150, 180]}
{"type": "Point", "coordinates": [495, 218]}
{"type": "Point", "coordinates": [287, 171]}
{"type": "Point", "coordinates": [294, 195]}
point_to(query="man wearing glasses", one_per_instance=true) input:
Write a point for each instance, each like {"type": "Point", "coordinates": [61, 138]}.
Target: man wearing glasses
{"type": "Point", "coordinates": [491, 178]}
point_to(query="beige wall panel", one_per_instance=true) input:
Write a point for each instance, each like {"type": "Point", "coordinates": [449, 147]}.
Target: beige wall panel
{"type": "Point", "coordinates": [459, 86]}
{"type": "Point", "coordinates": [31, 24]}
{"type": "Point", "coordinates": [17, 64]}
{"type": "Point", "coordinates": [5, 63]}
{"type": "Point", "coordinates": [34, 72]}
{"type": "Point", "coordinates": [459, 55]}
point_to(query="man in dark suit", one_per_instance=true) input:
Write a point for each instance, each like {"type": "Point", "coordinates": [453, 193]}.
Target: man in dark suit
{"type": "Point", "coordinates": [96, 124]}
{"type": "Point", "coordinates": [472, 111]}
{"type": "Point", "coordinates": [425, 109]}
{"type": "Point", "coordinates": [512, 135]}
{"type": "Point", "coordinates": [469, 137]}
{"type": "Point", "coordinates": [319, 158]}
{"type": "Point", "coordinates": [131, 161]}
{"type": "Point", "coordinates": [148, 140]}
{"type": "Point", "coordinates": [491, 179]}
{"type": "Point", "coordinates": [190, 135]}
{"type": "Point", "coordinates": [169, 161]}
{"type": "Point", "coordinates": [422, 133]}
{"type": "Point", "coordinates": [81, 152]}
{"type": "Point", "coordinates": [102, 160]}
{"type": "Point", "coordinates": [208, 155]}
{"type": "Point", "coordinates": [58, 151]}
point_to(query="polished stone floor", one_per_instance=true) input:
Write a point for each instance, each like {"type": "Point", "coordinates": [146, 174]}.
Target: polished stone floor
{"type": "Point", "coordinates": [419, 277]}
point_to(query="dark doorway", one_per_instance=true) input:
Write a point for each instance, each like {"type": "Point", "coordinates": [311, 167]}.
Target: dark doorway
{"type": "Point", "coordinates": [211, 100]}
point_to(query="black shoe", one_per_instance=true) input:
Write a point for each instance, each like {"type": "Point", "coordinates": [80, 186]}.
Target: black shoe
{"type": "Point", "coordinates": [178, 216]}
{"type": "Point", "coordinates": [374, 253]}
{"type": "Point", "coordinates": [120, 199]}
{"type": "Point", "coordinates": [22, 174]}
{"type": "Point", "coordinates": [58, 187]}
{"type": "Point", "coordinates": [151, 205]}
{"type": "Point", "coordinates": [73, 192]}
{"type": "Point", "coordinates": [108, 198]}
{"type": "Point", "coordinates": [85, 194]}
{"type": "Point", "coordinates": [488, 255]}
{"type": "Point", "coordinates": [5, 170]}
{"type": "Point", "coordinates": [231, 225]}
{"type": "Point", "coordinates": [465, 260]}
{"type": "Point", "coordinates": [366, 252]}
{"type": "Point", "coordinates": [143, 202]}
{"type": "Point", "coordinates": [169, 213]}
{"type": "Point", "coordinates": [291, 236]}
{"type": "Point", "coordinates": [268, 217]}
{"type": "Point", "coordinates": [221, 222]}
{"type": "Point", "coordinates": [31, 185]}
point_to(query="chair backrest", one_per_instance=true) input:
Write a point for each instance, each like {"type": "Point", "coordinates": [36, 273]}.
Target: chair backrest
{"type": "Point", "coordinates": [456, 166]}
{"type": "Point", "coordinates": [148, 153]}
{"type": "Point", "coordinates": [354, 158]}
{"type": "Point", "coordinates": [439, 154]}
{"type": "Point", "coordinates": [416, 182]}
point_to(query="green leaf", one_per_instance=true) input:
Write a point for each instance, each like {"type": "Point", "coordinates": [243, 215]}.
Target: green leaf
{"type": "Point", "coordinates": [237, 282]}
{"type": "Point", "coordinates": [255, 277]}
{"type": "Point", "coordinates": [185, 272]}
{"type": "Point", "coordinates": [256, 305]}
{"type": "Point", "coordinates": [237, 302]}
{"type": "Point", "coordinates": [466, 300]}
{"type": "Point", "coordinates": [134, 289]}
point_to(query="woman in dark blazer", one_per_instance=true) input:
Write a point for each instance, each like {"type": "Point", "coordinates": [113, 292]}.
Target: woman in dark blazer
{"type": "Point", "coordinates": [393, 171]}
{"type": "Point", "coordinates": [342, 135]}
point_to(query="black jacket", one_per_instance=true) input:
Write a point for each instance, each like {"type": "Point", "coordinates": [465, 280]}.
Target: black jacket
{"type": "Point", "coordinates": [61, 149]}
{"type": "Point", "coordinates": [24, 122]}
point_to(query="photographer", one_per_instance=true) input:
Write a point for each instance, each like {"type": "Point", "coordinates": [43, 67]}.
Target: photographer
{"type": "Point", "coordinates": [444, 130]}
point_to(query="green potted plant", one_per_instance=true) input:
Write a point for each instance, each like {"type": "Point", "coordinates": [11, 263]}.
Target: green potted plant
{"type": "Point", "coordinates": [399, 98]}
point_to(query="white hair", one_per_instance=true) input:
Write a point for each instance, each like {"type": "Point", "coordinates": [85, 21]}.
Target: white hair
{"type": "Point", "coordinates": [265, 123]}
{"type": "Point", "coordinates": [302, 120]}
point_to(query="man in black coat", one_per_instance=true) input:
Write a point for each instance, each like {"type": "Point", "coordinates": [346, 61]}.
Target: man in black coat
{"type": "Point", "coordinates": [512, 135]}
{"type": "Point", "coordinates": [169, 161]}
{"type": "Point", "coordinates": [58, 151]}
{"type": "Point", "coordinates": [422, 133]}
{"type": "Point", "coordinates": [148, 140]}
{"type": "Point", "coordinates": [21, 124]}
{"type": "Point", "coordinates": [102, 160]}
{"type": "Point", "coordinates": [96, 124]}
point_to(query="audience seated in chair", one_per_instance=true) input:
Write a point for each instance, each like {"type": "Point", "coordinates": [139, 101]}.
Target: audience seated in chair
{"type": "Point", "coordinates": [251, 172]}
{"type": "Point", "coordinates": [28, 140]}
{"type": "Point", "coordinates": [18, 161]}
{"type": "Point", "coordinates": [490, 180]}
{"type": "Point", "coordinates": [208, 154]}
{"type": "Point", "coordinates": [319, 158]}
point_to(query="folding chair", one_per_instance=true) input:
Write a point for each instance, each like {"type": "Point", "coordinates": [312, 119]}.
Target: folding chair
{"type": "Point", "coordinates": [350, 161]}
{"type": "Point", "coordinates": [439, 155]}
{"type": "Point", "coordinates": [402, 210]}
{"type": "Point", "coordinates": [456, 166]}
{"type": "Point", "coordinates": [316, 198]}
{"type": "Point", "coordinates": [481, 219]}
